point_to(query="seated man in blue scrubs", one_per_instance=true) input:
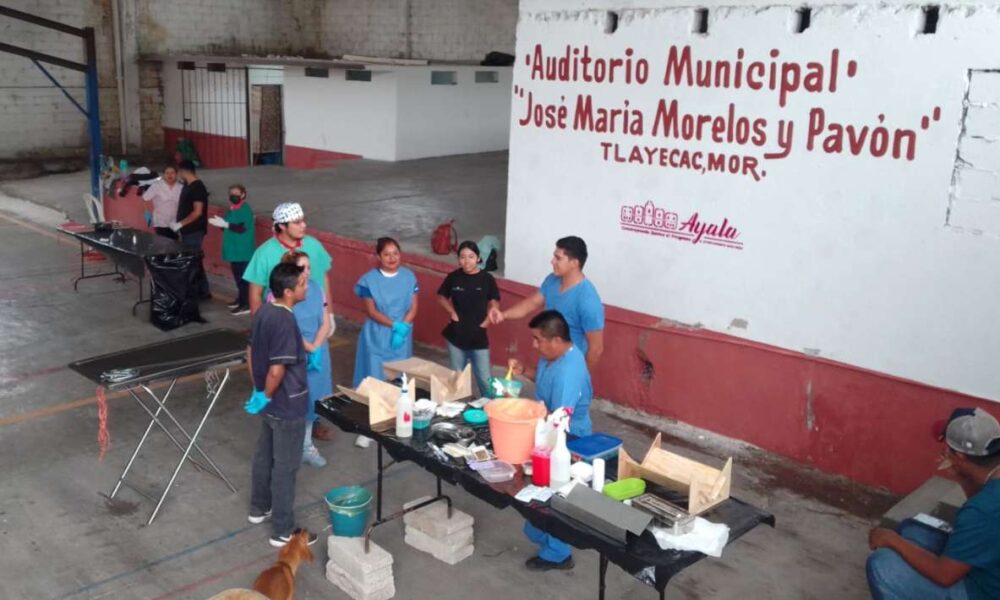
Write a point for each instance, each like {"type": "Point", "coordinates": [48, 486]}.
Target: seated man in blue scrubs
{"type": "Point", "coordinates": [921, 561]}
{"type": "Point", "coordinates": [568, 291]}
{"type": "Point", "coordinates": [562, 380]}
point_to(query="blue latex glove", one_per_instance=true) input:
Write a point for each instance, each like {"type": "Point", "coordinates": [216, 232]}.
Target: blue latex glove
{"type": "Point", "coordinates": [149, 218]}
{"type": "Point", "coordinates": [257, 402]}
{"type": "Point", "coordinates": [314, 360]}
{"type": "Point", "coordinates": [399, 332]}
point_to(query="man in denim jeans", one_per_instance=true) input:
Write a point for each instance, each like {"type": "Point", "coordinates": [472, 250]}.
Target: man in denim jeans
{"type": "Point", "coordinates": [277, 360]}
{"type": "Point", "coordinates": [923, 562]}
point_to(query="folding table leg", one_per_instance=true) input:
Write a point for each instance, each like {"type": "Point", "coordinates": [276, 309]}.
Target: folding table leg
{"type": "Point", "coordinates": [142, 440]}
{"type": "Point", "coordinates": [190, 445]}
{"type": "Point", "coordinates": [156, 421]}
{"type": "Point", "coordinates": [378, 492]}
{"type": "Point", "coordinates": [602, 573]}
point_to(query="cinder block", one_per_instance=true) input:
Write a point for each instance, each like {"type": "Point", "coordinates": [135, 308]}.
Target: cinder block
{"type": "Point", "coordinates": [447, 553]}
{"type": "Point", "coordinates": [433, 519]}
{"type": "Point", "coordinates": [375, 590]}
{"type": "Point", "coordinates": [348, 554]}
{"type": "Point", "coordinates": [462, 537]}
{"type": "Point", "coordinates": [937, 497]}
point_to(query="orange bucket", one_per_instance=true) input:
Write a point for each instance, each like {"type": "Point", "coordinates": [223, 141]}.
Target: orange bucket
{"type": "Point", "coordinates": [512, 427]}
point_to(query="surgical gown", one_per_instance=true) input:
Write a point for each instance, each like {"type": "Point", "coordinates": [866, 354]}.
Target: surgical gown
{"type": "Point", "coordinates": [393, 297]}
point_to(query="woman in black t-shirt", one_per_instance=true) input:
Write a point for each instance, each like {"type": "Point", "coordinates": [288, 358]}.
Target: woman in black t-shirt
{"type": "Point", "coordinates": [467, 294]}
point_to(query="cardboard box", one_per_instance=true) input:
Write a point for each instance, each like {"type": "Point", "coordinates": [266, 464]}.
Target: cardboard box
{"type": "Point", "coordinates": [703, 485]}
{"type": "Point", "coordinates": [380, 397]}
{"type": "Point", "coordinates": [443, 384]}
{"type": "Point", "coordinates": [610, 517]}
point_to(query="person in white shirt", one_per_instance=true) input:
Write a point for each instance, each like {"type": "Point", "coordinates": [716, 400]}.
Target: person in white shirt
{"type": "Point", "coordinates": [163, 196]}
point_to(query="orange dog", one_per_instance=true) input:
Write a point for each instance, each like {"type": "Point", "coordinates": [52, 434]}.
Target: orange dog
{"type": "Point", "coordinates": [278, 582]}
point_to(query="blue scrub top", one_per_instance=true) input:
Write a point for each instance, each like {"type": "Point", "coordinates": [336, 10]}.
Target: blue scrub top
{"type": "Point", "coordinates": [309, 315]}
{"type": "Point", "coordinates": [579, 305]}
{"type": "Point", "coordinates": [565, 382]}
{"type": "Point", "coordinates": [393, 297]}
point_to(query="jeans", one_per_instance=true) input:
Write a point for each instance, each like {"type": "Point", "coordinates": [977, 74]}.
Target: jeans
{"type": "Point", "coordinates": [242, 286]}
{"type": "Point", "coordinates": [892, 578]}
{"type": "Point", "coordinates": [480, 359]}
{"type": "Point", "coordinates": [275, 465]}
{"type": "Point", "coordinates": [193, 241]}
{"type": "Point", "coordinates": [549, 548]}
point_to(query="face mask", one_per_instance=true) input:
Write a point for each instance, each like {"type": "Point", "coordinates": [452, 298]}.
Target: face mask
{"type": "Point", "coordinates": [235, 199]}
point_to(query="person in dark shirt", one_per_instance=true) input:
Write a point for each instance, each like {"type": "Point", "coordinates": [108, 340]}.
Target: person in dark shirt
{"type": "Point", "coordinates": [192, 217]}
{"type": "Point", "coordinates": [277, 360]}
{"type": "Point", "coordinates": [922, 561]}
{"type": "Point", "coordinates": [468, 293]}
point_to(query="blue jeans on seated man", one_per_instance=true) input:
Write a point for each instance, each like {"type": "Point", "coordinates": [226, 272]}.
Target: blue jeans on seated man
{"type": "Point", "coordinates": [480, 359]}
{"type": "Point", "coordinates": [892, 578]}
{"type": "Point", "coordinates": [549, 548]}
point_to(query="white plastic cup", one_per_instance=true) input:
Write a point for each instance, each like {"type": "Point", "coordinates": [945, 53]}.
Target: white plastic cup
{"type": "Point", "coordinates": [598, 482]}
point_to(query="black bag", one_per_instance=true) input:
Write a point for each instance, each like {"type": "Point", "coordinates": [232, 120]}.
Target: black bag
{"type": "Point", "coordinates": [174, 295]}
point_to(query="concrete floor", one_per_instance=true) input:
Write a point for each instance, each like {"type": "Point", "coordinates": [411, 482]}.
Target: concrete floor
{"type": "Point", "coordinates": [362, 199]}
{"type": "Point", "coordinates": [63, 539]}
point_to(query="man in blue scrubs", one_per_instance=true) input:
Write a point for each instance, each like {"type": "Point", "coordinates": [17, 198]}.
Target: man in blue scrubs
{"type": "Point", "coordinates": [568, 291]}
{"type": "Point", "coordinates": [562, 381]}
{"type": "Point", "coordinates": [921, 561]}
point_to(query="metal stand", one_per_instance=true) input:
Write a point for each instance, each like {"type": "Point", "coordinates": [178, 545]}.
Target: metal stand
{"type": "Point", "coordinates": [185, 450]}
{"type": "Point", "coordinates": [399, 514]}
{"type": "Point", "coordinates": [83, 273]}
{"type": "Point", "coordinates": [142, 300]}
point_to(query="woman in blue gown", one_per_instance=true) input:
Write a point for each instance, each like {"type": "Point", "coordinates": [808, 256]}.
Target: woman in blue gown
{"type": "Point", "coordinates": [389, 293]}
{"type": "Point", "coordinates": [314, 325]}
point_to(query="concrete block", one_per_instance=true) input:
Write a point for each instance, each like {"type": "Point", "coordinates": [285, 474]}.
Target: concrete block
{"type": "Point", "coordinates": [433, 519]}
{"type": "Point", "coordinates": [937, 497]}
{"type": "Point", "coordinates": [372, 590]}
{"type": "Point", "coordinates": [462, 537]}
{"type": "Point", "coordinates": [349, 556]}
{"type": "Point", "coordinates": [447, 553]}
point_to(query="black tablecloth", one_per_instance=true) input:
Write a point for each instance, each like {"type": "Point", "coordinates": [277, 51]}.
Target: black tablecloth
{"type": "Point", "coordinates": [641, 556]}
{"type": "Point", "coordinates": [168, 360]}
{"type": "Point", "coordinates": [128, 247]}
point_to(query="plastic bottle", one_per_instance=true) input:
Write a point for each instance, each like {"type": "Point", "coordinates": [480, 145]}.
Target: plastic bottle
{"type": "Point", "coordinates": [404, 412]}
{"type": "Point", "coordinates": [540, 433]}
{"type": "Point", "coordinates": [560, 461]}
{"type": "Point", "coordinates": [598, 482]}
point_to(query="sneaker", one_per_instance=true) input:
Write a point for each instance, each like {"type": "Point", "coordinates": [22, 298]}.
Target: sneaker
{"type": "Point", "coordinates": [240, 310]}
{"type": "Point", "coordinates": [363, 442]}
{"type": "Point", "coordinates": [280, 540]}
{"type": "Point", "coordinates": [233, 304]}
{"type": "Point", "coordinates": [313, 458]}
{"type": "Point", "coordinates": [539, 564]}
{"type": "Point", "coordinates": [257, 519]}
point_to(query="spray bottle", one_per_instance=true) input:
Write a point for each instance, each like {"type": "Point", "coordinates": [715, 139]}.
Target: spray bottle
{"type": "Point", "coordinates": [560, 460]}
{"type": "Point", "coordinates": [404, 412]}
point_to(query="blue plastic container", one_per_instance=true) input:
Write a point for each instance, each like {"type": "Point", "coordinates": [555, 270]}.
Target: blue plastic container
{"type": "Point", "coordinates": [598, 445]}
{"type": "Point", "coordinates": [349, 507]}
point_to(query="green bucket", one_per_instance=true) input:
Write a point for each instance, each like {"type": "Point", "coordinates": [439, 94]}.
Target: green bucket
{"type": "Point", "coordinates": [349, 508]}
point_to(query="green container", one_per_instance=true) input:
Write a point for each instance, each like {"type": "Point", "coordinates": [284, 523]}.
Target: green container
{"type": "Point", "coordinates": [349, 507]}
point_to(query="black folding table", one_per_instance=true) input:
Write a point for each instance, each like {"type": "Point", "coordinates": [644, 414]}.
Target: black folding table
{"type": "Point", "coordinates": [126, 248]}
{"type": "Point", "coordinates": [640, 556]}
{"type": "Point", "coordinates": [135, 369]}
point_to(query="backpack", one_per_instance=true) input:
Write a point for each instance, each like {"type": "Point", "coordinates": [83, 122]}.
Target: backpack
{"type": "Point", "coordinates": [445, 238]}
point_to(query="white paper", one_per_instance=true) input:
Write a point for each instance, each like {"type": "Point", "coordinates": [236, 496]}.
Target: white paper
{"type": "Point", "coordinates": [706, 537]}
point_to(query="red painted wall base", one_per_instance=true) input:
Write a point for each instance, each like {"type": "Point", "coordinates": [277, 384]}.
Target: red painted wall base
{"type": "Point", "coordinates": [868, 426]}
{"type": "Point", "coordinates": [215, 151]}
{"type": "Point", "coordinates": [299, 157]}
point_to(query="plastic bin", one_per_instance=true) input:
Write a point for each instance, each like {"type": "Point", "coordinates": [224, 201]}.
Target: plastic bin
{"type": "Point", "coordinates": [599, 445]}
{"type": "Point", "coordinates": [512, 427]}
{"type": "Point", "coordinates": [349, 507]}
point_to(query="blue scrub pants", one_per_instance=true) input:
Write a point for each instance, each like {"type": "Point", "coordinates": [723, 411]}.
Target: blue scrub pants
{"type": "Point", "coordinates": [549, 548]}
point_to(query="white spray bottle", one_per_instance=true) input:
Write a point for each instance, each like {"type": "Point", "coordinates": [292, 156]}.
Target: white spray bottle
{"type": "Point", "coordinates": [560, 461]}
{"type": "Point", "coordinates": [404, 412]}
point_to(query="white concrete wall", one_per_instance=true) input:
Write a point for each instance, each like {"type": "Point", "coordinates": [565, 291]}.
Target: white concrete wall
{"type": "Point", "coordinates": [879, 262]}
{"type": "Point", "coordinates": [335, 115]}
{"type": "Point", "coordinates": [440, 120]}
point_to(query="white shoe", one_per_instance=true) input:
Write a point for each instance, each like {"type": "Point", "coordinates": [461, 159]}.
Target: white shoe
{"type": "Point", "coordinates": [363, 442]}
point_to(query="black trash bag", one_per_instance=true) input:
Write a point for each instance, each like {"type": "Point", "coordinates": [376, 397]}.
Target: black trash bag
{"type": "Point", "coordinates": [174, 295]}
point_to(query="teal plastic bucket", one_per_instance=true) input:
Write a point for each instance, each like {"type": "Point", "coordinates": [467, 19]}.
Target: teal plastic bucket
{"type": "Point", "coordinates": [349, 507]}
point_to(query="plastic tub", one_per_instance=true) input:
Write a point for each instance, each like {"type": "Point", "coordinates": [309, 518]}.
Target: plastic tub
{"type": "Point", "coordinates": [599, 445]}
{"type": "Point", "coordinates": [512, 427]}
{"type": "Point", "coordinates": [501, 471]}
{"type": "Point", "coordinates": [349, 507]}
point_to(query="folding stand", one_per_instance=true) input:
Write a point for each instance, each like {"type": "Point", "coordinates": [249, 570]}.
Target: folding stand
{"type": "Point", "coordinates": [161, 407]}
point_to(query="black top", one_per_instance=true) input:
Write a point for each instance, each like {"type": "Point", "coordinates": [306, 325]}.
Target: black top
{"type": "Point", "coordinates": [471, 295]}
{"type": "Point", "coordinates": [191, 193]}
{"type": "Point", "coordinates": [275, 340]}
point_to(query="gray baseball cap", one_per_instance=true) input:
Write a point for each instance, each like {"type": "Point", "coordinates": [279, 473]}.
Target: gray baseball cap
{"type": "Point", "coordinates": [973, 431]}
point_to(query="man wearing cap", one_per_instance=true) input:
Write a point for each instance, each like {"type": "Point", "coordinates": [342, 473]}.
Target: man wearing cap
{"type": "Point", "coordinates": [289, 234]}
{"type": "Point", "coordinates": [921, 561]}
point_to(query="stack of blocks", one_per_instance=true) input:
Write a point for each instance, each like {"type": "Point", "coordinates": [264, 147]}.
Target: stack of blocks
{"type": "Point", "coordinates": [361, 576]}
{"type": "Point", "coordinates": [429, 530]}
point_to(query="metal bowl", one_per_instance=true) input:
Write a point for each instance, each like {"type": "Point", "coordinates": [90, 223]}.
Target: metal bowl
{"type": "Point", "coordinates": [460, 434]}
